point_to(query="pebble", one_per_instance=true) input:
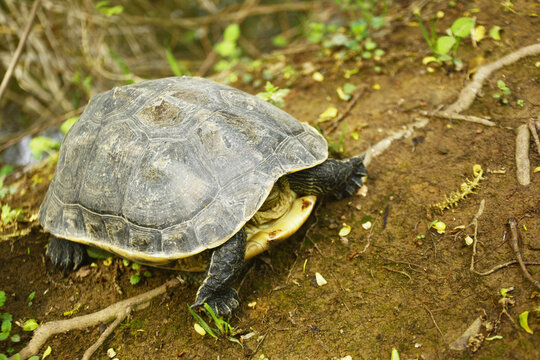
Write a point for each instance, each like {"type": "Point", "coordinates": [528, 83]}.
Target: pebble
{"type": "Point", "coordinates": [111, 353]}
{"type": "Point", "coordinates": [442, 149]}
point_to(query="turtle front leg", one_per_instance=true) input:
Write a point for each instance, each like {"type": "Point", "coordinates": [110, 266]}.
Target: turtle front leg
{"type": "Point", "coordinates": [224, 267]}
{"type": "Point", "coordinates": [338, 178]}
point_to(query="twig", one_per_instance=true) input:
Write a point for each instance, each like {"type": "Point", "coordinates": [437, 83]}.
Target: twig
{"type": "Point", "coordinates": [501, 266]}
{"type": "Point", "coordinates": [515, 246]}
{"type": "Point", "coordinates": [534, 134]}
{"type": "Point", "coordinates": [92, 349]}
{"type": "Point", "coordinates": [19, 49]}
{"type": "Point", "coordinates": [474, 222]}
{"type": "Point", "coordinates": [523, 165]}
{"type": "Point", "coordinates": [467, 95]}
{"type": "Point", "coordinates": [345, 113]}
{"type": "Point", "coordinates": [398, 272]}
{"type": "Point", "coordinates": [39, 127]}
{"type": "Point", "coordinates": [222, 16]}
{"type": "Point", "coordinates": [434, 322]}
{"type": "Point", "coordinates": [368, 240]}
{"type": "Point", "coordinates": [48, 329]}
{"type": "Point", "coordinates": [456, 116]}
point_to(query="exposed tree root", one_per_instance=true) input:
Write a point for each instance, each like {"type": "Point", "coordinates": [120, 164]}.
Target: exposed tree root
{"type": "Point", "coordinates": [515, 246]}
{"type": "Point", "coordinates": [534, 134]}
{"type": "Point", "coordinates": [467, 95]}
{"type": "Point", "coordinates": [385, 143]}
{"type": "Point", "coordinates": [523, 165]}
{"type": "Point", "coordinates": [455, 116]}
{"type": "Point", "coordinates": [117, 311]}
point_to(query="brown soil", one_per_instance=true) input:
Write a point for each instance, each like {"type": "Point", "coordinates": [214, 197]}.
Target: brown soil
{"type": "Point", "coordinates": [409, 280]}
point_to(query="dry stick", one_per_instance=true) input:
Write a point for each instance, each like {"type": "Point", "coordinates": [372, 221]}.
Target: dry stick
{"type": "Point", "coordinates": [467, 95]}
{"type": "Point", "coordinates": [398, 272]}
{"type": "Point", "coordinates": [515, 246]}
{"type": "Point", "coordinates": [19, 49]}
{"type": "Point", "coordinates": [501, 266]}
{"type": "Point", "coordinates": [523, 165]}
{"type": "Point", "coordinates": [345, 113]}
{"type": "Point", "coordinates": [455, 116]}
{"type": "Point", "coordinates": [51, 328]}
{"type": "Point", "coordinates": [224, 16]}
{"type": "Point", "coordinates": [534, 133]}
{"type": "Point", "coordinates": [92, 349]}
{"type": "Point", "coordinates": [434, 322]}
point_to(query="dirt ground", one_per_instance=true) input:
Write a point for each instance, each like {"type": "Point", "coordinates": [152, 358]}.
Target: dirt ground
{"type": "Point", "coordinates": [411, 289]}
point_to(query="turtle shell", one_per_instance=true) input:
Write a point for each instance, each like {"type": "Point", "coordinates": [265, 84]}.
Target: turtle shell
{"type": "Point", "coordinates": [167, 168]}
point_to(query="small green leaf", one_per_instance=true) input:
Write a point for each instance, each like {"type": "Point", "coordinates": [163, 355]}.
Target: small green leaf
{"type": "Point", "coordinates": [47, 352]}
{"type": "Point", "coordinates": [201, 322]}
{"type": "Point", "coordinates": [42, 144]}
{"type": "Point", "coordinates": [135, 266]}
{"type": "Point", "coordinates": [15, 338]}
{"type": "Point", "coordinates": [495, 32]}
{"type": "Point", "coordinates": [66, 125]}
{"type": "Point", "coordinates": [523, 321]}
{"type": "Point", "coordinates": [370, 45]}
{"type": "Point", "coordinates": [395, 354]}
{"type": "Point", "coordinates": [280, 41]}
{"type": "Point", "coordinates": [444, 44]}
{"type": "Point", "coordinates": [31, 296]}
{"type": "Point", "coordinates": [6, 170]}
{"type": "Point", "coordinates": [134, 279]}
{"type": "Point", "coordinates": [30, 325]}
{"type": "Point", "coordinates": [348, 88]}
{"type": "Point", "coordinates": [173, 64]}
{"type": "Point", "coordinates": [3, 298]}
{"type": "Point", "coordinates": [147, 274]}
{"type": "Point", "coordinates": [520, 102]}
{"type": "Point", "coordinates": [35, 357]}
{"type": "Point", "coordinates": [3, 357]}
{"type": "Point", "coordinates": [232, 33]}
{"type": "Point", "coordinates": [462, 27]}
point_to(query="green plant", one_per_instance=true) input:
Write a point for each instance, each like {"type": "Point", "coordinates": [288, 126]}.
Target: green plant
{"type": "Point", "coordinates": [228, 48]}
{"type": "Point", "coordinates": [5, 328]}
{"type": "Point", "coordinates": [177, 68]}
{"type": "Point", "coordinates": [31, 298]}
{"type": "Point", "coordinates": [222, 329]}
{"type": "Point", "coordinates": [136, 278]}
{"type": "Point", "coordinates": [6, 190]}
{"type": "Point", "coordinates": [337, 148]}
{"type": "Point", "coordinates": [441, 46]}
{"type": "Point", "coordinates": [273, 94]}
{"type": "Point", "coordinates": [9, 215]}
{"type": "Point", "coordinates": [43, 144]}
{"type": "Point", "coordinates": [103, 8]}
{"type": "Point", "coordinates": [503, 93]}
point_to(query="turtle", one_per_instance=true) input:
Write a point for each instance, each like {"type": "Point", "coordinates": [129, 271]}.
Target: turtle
{"type": "Point", "coordinates": [186, 173]}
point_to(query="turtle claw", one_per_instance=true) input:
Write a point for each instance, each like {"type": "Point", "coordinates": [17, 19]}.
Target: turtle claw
{"type": "Point", "coordinates": [66, 254]}
{"type": "Point", "coordinates": [355, 180]}
{"type": "Point", "coordinates": [223, 303]}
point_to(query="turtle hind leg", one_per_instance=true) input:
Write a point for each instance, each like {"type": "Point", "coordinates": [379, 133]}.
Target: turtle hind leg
{"type": "Point", "coordinates": [224, 267]}
{"type": "Point", "coordinates": [338, 178]}
{"type": "Point", "coordinates": [66, 254]}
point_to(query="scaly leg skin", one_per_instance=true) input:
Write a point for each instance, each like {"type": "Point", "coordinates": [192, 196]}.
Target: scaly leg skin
{"type": "Point", "coordinates": [66, 254]}
{"type": "Point", "coordinates": [225, 266]}
{"type": "Point", "coordinates": [338, 178]}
